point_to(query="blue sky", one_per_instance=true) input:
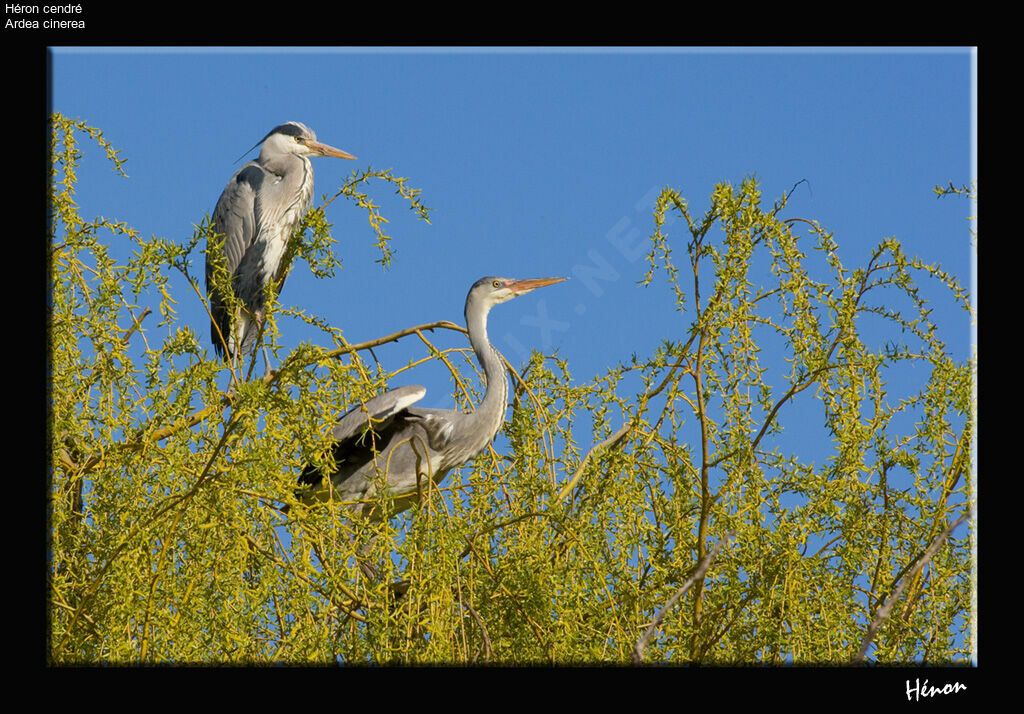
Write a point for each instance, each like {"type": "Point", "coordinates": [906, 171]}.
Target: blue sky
{"type": "Point", "coordinates": [539, 162]}
{"type": "Point", "coordinates": [536, 162]}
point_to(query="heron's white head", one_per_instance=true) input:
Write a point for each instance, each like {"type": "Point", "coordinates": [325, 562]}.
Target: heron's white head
{"type": "Point", "coordinates": [491, 290]}
{"type": "Point", "coordinates": [296, 138]}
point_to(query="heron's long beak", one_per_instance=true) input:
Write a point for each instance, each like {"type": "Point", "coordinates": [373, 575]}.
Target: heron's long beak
{"type": "Point", "coordinates": [521, 287]}
{"type": "Point", "coordinates": [326, 150]}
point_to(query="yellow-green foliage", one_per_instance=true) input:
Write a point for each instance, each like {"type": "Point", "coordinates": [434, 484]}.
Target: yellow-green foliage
{"type": "Point", "coordinates": [563, 543]}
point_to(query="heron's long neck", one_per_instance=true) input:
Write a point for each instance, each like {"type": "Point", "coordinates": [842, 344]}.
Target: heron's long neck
{"type": "Point", "coordinates": [285, 163]}
{"type": "Point", "coordinates": [490, 413]}
{"type": "Point", "coordinates": [295, 174]}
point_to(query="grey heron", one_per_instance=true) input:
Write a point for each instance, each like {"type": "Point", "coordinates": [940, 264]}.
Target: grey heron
{"type": "Point", "coordinates": [389, 441]}
{"type": "Point", "coordinates": [257, 213]}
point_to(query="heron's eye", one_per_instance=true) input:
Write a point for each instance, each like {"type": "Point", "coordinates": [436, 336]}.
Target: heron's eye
{"type": "Point", "coordinates": [496, 283]}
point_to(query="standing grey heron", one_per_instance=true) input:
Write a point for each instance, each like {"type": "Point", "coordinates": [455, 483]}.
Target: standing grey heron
{"type": "Point", "coordinates": [389, 441]}
{"type": "Point", "coordinates": [257, 213]}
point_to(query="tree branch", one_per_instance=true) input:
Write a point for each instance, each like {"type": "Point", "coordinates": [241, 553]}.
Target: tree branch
{"type": "Point", "coordinates": [638, 650]}
{"type": "Point", "coordinates": [136, 324]}
{"type": "Point", "coordinates": [136, 441]}
{"type": "Point", "coordinates": [883, 612]}
{"type": "Point", "coordinates": [610, 441]}
{"type": "Point", "coordinates": [446, 324]}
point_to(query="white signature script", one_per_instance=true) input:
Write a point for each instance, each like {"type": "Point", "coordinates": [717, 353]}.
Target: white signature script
{"type": "Point", "coordinates": [919, 689]}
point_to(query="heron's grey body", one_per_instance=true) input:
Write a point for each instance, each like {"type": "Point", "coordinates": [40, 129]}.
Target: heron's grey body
{"type": "Point", "coordinates": [257, 213]}
{"type": "Point", "coordinates": [409, 448]}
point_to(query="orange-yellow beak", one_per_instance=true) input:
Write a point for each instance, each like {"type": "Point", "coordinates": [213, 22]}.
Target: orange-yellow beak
{"type": "Point", "coordinates": [521, 287]}
{"type": "Point", "coordinates": [321, 149]}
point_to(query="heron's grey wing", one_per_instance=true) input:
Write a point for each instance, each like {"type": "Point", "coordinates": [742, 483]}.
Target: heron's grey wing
{"type": "Point", "coordinates": [236, 213]}
{"type": "Point", "coordinates": [235, 218]}
{"type": "Point", "coordinates": [414, 444]}
{"type": "Point", "coordinates": [381, 409]}
{"type": "Point", "coordinates": [439, 425]}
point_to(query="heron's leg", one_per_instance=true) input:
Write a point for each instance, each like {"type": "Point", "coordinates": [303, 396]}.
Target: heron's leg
{"type": "Point", "coordinates": [266, 360]}
{"type": "Point", "coordinates": [398, 588]}
{"type": "Point", "coordinates": [232, 366]}
{"type": "Point", "coordinates": [370, 571]}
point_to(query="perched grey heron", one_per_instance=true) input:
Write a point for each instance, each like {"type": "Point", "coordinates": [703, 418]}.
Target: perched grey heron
{"type": "Point", "coordinates": [257, 213]}
{"type": "Point", "coordinates": [389, 441]}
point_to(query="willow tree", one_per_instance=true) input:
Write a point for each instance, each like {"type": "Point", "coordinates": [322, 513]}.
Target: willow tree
{"type": "Point", "coordinates": [655, 513]}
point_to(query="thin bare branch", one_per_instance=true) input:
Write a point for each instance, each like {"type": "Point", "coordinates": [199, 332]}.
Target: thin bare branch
{"type": "Point", "coordinates": [136, 324]}
{"type": "Point", "coordinates": [486, 643]}
{"type": "Point", "coordinates": [883, 612]}
{"type": "Point", "coordinates": [442, 324]}
{"type": "Point", "coordinates": [610, 441]}
{"type": "Point", "coordinates": [638, 650]}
